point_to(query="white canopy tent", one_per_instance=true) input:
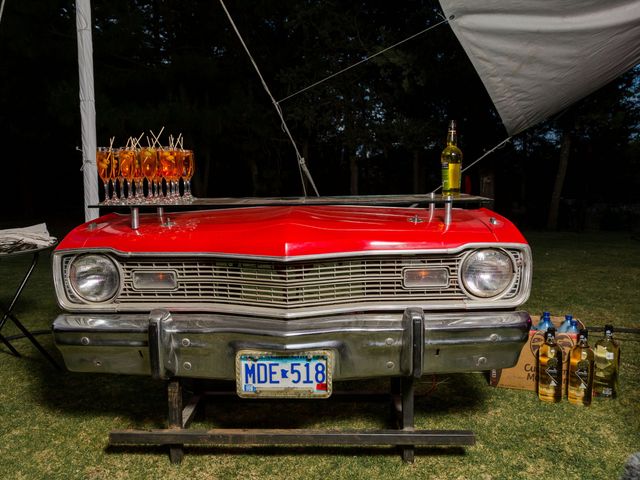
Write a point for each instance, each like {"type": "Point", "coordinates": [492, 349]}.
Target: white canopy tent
{"type": "Point", "coordinates": [535, 58]}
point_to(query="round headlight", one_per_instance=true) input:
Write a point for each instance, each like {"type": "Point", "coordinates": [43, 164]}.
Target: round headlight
{"type": "Point", "coordinates": [487, 273]}
{"type": "Point", "coordinates": [94, 278]}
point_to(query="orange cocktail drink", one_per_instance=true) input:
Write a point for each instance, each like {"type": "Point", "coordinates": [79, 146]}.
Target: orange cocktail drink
{"type": "Point", "coordinates": [105, 162]}
{"type": "Point", "coordinates": [127, 165]}
{"type": "Point", "coordinates": [149, 166]}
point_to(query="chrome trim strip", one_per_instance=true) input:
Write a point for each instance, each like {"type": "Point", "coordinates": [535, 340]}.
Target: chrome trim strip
{"type": "Point", "coordinates": [301, 258]}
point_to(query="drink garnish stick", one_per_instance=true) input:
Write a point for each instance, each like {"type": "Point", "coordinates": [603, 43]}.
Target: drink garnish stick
{"type": "Point", "coordinates": [157, 137]}
{"type": "Point", "coordinates": [137, 145]}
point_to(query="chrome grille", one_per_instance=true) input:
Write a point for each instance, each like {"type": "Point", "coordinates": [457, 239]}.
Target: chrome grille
{"type": "Point", "coordinates": [209, 283]}
{"type": "Point", "coordinates": [288, 285]}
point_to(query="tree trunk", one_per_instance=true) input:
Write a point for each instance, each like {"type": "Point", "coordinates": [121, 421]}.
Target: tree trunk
{"type": "Point", "coordinates": [305, 155]}
{"type": "Point", "coordinates": [417, 173]}
{"type": "Point", "coordinates": [255, 177]}
{"type": "Point", "coordinates": [353, 169]}
{"type": "Point", "coordinates": [565, 149]}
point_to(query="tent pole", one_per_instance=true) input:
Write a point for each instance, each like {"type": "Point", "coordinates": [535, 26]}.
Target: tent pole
{"type": "Point", "coordinates": [87, 107]}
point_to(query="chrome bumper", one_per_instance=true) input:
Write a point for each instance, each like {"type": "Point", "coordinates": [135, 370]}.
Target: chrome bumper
{"type": "Point", "coordinates": [166, 344]}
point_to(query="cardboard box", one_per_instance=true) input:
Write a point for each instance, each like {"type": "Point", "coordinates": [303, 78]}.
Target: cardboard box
{"type": "Point", "coordinates": [523, 375]}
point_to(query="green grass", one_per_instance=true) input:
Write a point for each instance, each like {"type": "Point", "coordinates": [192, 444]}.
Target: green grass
{"type": "Point", "coordinates": [56, 425]}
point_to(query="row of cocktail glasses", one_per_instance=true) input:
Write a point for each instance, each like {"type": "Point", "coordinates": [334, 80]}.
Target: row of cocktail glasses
{"type": "Point", "coordinates": [123, 172]}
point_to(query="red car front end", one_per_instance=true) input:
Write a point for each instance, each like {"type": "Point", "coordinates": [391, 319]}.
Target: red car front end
{"type": "Point", "coordinates": [285, 300]}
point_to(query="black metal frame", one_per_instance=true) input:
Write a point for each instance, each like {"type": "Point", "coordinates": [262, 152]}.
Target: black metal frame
{"type": "Point", "coordinates": [370, 200]}
{"type": "Point", "coordinates": [363, 200]}
{"type": "Point", "coordinates": [7, 314]}
{"type": "Point", "coordinates": [177, 434]}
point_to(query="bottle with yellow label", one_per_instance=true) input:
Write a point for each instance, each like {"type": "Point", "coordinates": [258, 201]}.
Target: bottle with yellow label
{"type": "Point", "coordinates": [581, 361]}
{"type": "Point", "coordinates": [451, 163]}
{"type": "Point", "coordinates": [549, 368]}
{"type": "Point", "coordinates": [607, 354]}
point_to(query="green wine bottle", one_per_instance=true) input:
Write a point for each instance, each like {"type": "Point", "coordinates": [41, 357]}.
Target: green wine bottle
{"type": "Point", "coordinates": [451, 163]}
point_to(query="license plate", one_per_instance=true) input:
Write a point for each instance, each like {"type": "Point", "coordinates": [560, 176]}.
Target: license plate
{"type": "Point", "coordinates": [276, 375]}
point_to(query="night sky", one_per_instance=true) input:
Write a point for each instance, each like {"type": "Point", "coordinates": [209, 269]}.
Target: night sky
{"type": "Point", "coordinates": [377, 129]}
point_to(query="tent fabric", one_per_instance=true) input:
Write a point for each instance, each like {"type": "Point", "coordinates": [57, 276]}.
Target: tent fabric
{"type": "Point", "coordinates": [537, 57]}
{"type": "Point", "coordinates": [87, 108]}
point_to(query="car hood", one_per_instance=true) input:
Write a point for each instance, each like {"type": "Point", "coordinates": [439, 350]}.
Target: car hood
{"type": "Point", "coordinates": [293, 231]}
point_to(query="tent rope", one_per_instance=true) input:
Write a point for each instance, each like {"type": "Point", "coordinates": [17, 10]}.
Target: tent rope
{"type": "Point", "coordinates": [365, 59]}
{"type": "Point", "coordinates": [302, 166]}
{"type": "Point", "coordinates": [487, 153]}
{"type": "Point", "coordinates": [276, 103]}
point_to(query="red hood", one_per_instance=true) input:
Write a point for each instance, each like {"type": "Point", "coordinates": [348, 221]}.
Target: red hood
{"type": "Point", "coordinates": [293, 231]}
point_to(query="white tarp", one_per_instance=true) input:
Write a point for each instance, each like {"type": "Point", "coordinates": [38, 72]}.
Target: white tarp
{"type": "Point", "coordinates": [537, 57]}
{"type": "Point", "coordinates": [87, 107]}
{"type": "Point", "coordinates": [34, 235]}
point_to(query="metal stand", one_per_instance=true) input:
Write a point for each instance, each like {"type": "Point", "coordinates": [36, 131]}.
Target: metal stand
{"type": "Point", "coordinates": [7, 313]}
{"type": "Point", "coordinates": [430, 199]}
{"type": "Point", "coordinates": [402, 402]}
{"type": "Point", "coordinates": [177, 435]}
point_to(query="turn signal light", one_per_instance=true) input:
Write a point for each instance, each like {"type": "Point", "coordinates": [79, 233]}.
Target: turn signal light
{"type": "Point", "coordinates": [426, 278]}
{"type": "Point", "coordinates": [154, 280]}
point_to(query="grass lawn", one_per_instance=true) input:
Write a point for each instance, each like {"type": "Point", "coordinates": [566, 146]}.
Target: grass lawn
{"type": "Point", "coordinates": [56, 424]}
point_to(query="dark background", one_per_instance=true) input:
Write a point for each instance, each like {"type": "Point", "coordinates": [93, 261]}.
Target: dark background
{"type": "Point", "coordinates": [377, 129]}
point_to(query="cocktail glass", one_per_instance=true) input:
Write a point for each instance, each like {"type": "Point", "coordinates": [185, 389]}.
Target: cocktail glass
{"type": "Point", "coordinates": [149, 165]}
{"type": "Point", "coordinates": [167, 166]}
{"type": "Point", "coordinates": [104, 162]}
{"type": "Point", "coordinates": [174, 175]}
{"type": "Point", "coordinates": [127, 168]}
{"type": "Point", "coordinates": [188, 167]}
{"type": "Point", "coordinates": [138, 177]}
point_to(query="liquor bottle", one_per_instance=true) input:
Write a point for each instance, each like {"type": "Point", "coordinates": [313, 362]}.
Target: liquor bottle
{"type": "Point", "coordinates": [581, 361]}
{"type": "Point", "coordinates": [549, 368]}
{"type": "Point", "coordinates": [545, 322]}
{"type": "Point", "coordinates": [451, 163]}
{"type": "Point", "coordinates": [607, 360]}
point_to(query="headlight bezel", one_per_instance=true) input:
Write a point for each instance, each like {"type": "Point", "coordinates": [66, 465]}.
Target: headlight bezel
{"type": "Point", "coordinates": [476, 293]}
{"type": "Point", "coordinates": [93, 298]}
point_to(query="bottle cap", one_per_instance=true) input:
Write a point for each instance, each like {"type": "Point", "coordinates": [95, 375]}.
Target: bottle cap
{"type": "Point", "coordinates": [551, 332]}
{"type": "Point", "coordinates": [568, 317]}
{"type": "Point", "coordinates": [546, 314]}
{"type": "Point", "coordinates": [608, 329]}
{"type": "Point", "coordinates": [583, 333]}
